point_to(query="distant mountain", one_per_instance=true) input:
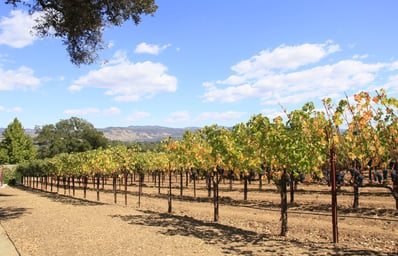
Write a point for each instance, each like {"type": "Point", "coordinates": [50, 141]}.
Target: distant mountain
{"type": "Point", "coordinates": [143, 133]}
{"type": "Point", "coordinates": [136, 133]}
{"type": "Point", "coordinates": [133, 133]}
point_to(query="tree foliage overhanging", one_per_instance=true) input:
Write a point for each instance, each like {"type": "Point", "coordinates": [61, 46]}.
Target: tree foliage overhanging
{"type": "Point", "coordinates": [80, 23]}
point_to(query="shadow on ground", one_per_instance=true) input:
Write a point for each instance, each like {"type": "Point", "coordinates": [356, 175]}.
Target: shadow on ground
{"type": "Point", "coordinates": [65, 199]}
{"type": "Point", "coordinates": [233, 240]}
{"type": "Point", "coordinates": [7, 213]}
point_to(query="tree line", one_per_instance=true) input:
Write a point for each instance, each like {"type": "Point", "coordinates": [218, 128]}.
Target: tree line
{"type": "Point", "coordinates": [66, 136]}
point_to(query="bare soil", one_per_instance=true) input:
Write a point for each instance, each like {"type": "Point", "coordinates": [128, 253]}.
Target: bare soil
{"type": "Point", "coordinates": [49, 223]}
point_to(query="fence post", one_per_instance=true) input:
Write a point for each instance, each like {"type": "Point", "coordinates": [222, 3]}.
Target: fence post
{"type": "Point", "coordinates": [334, 194]}
{"type": "Point", "coordinates": [1, 176]}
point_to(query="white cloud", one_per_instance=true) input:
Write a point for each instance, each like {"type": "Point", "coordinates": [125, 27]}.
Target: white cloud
{"type": "Point", "coordinates": [3, 58]}
{"type": "Point", "coordinates": [21, 78]}
{"type": "Point", "coordinates": [208, 84]}
{"type": "Point", "coordinates": [219, 116]}
{"type": "Point", "coordinates": [119, 56]}
{"type": "Point", "coordinates": [137, 115]}
{"type": "Point", "coordinates": [93, 111]}
{"type": "Point", "coordinates": [272, 80]}
{"type": "Point", "coordinates": [81, 112]}
{"type": "Point", "coordinates": [179, 117]}
{"type": "Point", "coordinates": [127, 98]}
{"type": "Point", "coordinates": [128, 81]}
{"type": "Point", "coordinates": [292, 99]}
{"type": "Point", "coordinates": [392, 85]}
{"type": "Point", "coordinates": [286, 57]}
{"type": "Point", "coordinates": [394, 65]}
{"type": "Point", "coordinates": [357, 56]}
{"type": "Point", "coordinates": [110, 44]}
{"type": "Point", "coordinates": [75, 88]}
{"type": "Point", "coordinates": [15, 110]}
{"type": "Point", "coordinates": [16, 31]}
{"type": "Point", "coordinates": [273, 113]}
{"type": "Point", "coordinates": [111, 111]}
{"type": "Point", "coordinates": [341, 76]}
{"type": "Point", "coordinates": [150, 48]}
{"type": "Point", "coordinates": [229, 94]}
{"type": "Point", "coordinates": [204, 117]}
{"type": "Point", "coordinates": [11, 110]}
{"type": "Point", "coordinates": [234, 80]}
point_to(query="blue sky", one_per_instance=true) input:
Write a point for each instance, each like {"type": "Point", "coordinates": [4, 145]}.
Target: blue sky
{"type": "Point", "coordinates": [197, 63]}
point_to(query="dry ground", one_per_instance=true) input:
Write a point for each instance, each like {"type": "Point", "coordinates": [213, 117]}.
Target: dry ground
{"type": "Point", "coordinates": [45, 223]}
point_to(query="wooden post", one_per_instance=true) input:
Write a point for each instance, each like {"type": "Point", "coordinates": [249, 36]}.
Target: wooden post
{"type": "Point", "coordinates": [159, 182]}
{"type": "Point", "coordinates": [98, 186]}
{"type": "Point", "coordinates": [208, 183]}
{"type": "Point", "coordinates": [181, 182]}
{"type": "Point", "coordinates": [114, 187]}
{"type": "Point", "coordinates": [141, 179]}
{"type": "Point", "coordinates": [120, 182]}
{"type": "Point", "coordinates": [216, 198]}
{"type": "Point", "coordinates": [85, 180]}
{"type": "Point", "coordinates": [194, 186]}
{"type": "Point", "coordinates": [69, 185]}
{"type": "Point", "coordinates": [395, 182]}
{"type": "Point", "coordinates": [125, 187]}
{"type": "Point", "coordinates": [1, 176]}
{"type": "Point", "coordinates": [292, 187]}
{"type": "Point", "coordinates": [65, 184]}
{"type": "Point", "coordinates": [245, 187]}
{"type": "Point", "coordinates": [284, 228]}
{"type": "Point", "coordinates": [169, 196]}
{"type": "Point", "coordinates": [73, 184]}
{"type": "Point", "coordinates": [334, 194]}
{"type": "Point", "coordinates": [57, 184]}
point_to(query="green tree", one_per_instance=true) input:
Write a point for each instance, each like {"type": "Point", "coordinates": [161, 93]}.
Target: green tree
{"type": "Point", "coordinates": [67, 136]}
{"type": "Point", "coordinates": [16, 146]}
{"type": "Point", "coordinates": [80, 23]}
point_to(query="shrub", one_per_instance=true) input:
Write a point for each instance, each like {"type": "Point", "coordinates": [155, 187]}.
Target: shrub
{"type": "Point", "coordinates": [10, 176]}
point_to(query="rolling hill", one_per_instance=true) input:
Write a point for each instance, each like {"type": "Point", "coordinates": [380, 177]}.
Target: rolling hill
{"type": "Point", "coordinates": [143, 133]}
{"type": "Point", "coordinates": [132, 133]}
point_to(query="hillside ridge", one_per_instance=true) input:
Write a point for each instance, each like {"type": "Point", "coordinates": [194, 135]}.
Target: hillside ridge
{"type": "Point", "coordinates": [139, 133]}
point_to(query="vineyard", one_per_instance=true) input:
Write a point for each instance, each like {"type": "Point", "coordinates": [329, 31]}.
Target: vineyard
{"type": "Point", "coordinates": [345, 148]}
{"type": "Point", "coordinates": [248, 226]}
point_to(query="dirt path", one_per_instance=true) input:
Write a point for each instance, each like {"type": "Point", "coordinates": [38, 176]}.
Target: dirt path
{"type": "Point", "coordinates": [42, 223]}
